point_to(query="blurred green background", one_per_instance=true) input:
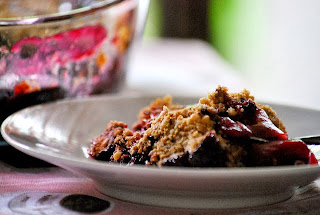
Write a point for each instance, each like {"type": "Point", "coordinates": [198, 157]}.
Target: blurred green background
{"type": "Point", "coordinates": [225, 22]}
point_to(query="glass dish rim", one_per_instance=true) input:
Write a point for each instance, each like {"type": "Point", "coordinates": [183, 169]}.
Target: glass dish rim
{"type": "Point", "coordinates": [53, 17]}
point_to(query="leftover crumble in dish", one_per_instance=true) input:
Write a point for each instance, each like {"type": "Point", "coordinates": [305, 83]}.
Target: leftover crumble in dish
{"type": "Point", "coordinates": [222, 130]}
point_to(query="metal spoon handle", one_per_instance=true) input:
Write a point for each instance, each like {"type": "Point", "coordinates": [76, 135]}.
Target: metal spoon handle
{"type": "Point", "coordinates": [309, 140]}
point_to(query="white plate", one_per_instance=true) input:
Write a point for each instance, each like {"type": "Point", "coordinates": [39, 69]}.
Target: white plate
{"type": "Point", "coordinates": [60, 133]}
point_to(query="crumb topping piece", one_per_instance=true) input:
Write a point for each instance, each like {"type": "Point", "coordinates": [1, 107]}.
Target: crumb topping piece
{"type": "Point", "coordinates": [175, 132]}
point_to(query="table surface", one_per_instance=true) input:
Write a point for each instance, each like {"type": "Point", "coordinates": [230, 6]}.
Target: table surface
{"type": "Point", "coordinates": [29, 186]}
{"type": "Point", "coordinates": [180, 66]}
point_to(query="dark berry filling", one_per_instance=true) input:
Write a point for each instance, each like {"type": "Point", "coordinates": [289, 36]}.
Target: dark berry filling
{"type": "Point", "coordinates": [209, 154]}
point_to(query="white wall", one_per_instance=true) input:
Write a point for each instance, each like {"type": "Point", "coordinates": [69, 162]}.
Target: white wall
{"type": "Point", "coordinates": [282, 62]}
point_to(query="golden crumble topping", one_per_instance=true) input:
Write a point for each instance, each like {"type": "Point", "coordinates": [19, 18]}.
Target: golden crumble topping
{"type": "Point", "coordinates": [223, 129]}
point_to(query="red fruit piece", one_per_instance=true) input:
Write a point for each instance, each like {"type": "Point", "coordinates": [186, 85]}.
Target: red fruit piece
{"type": "Point", "coordinates": [25, 87]}
{"type": "Point", "coordinates": [233, 129]}
{"type": "Point", "coordinates": [312, 159]}
{"type": "Point", "coordinates": [280, 152]}
{"type": "Point", "coordinates": [264, 128]}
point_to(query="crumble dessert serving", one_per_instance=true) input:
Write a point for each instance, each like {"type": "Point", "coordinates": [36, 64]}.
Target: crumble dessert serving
{"type": "Point", "coordinates": [222, 130]}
